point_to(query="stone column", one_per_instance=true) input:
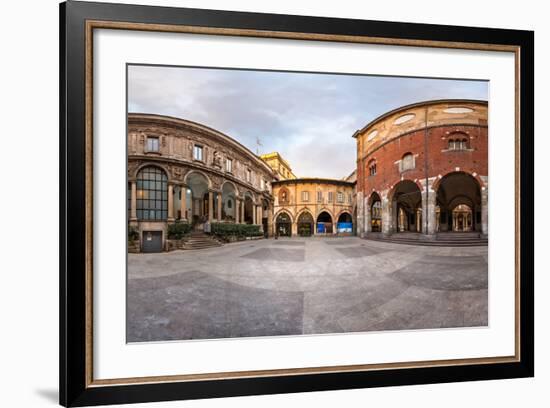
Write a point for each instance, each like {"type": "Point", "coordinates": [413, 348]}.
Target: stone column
{"type": "Point", "coordinates": [133, 205]}
{"type": "Point", "coordinates": [170, 202]}
{"type": "Point", "coordinates": [269, 221]}
{"type": "Point", "coordinates": [242, 211]}
{"type": "Point", "coordinates": [428, 211]}
{"type": "Point", "coordinates": [210, 206]}
{"type": "Point", "coordinates": [368, 216]}
{"type": "Point", "coordinates": [387, 212]}
{"type": "Point", "coordinates": [484, 211]}
{"type": "Point", "coordinates": [183, 202]}
{"type": "Point", "coordinates": [254, 217]}
{"type": "Point", "coordinates": [361, 227]}
{"type": "Point", "coordinates": [219, 215]}
{"type": "Point", "coordinates": [259, 216]}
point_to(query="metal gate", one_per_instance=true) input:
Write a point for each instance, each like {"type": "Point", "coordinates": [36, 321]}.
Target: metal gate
{"type": "Point", "coordinates": [151, 241]}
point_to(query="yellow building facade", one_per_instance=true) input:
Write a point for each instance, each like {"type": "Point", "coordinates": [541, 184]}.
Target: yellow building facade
{"type": "Point", "coordinates": [313, 206]}
{"type": "Point", "coordinates": [280, 166]}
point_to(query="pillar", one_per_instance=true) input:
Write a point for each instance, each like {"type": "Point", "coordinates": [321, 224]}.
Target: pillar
{"type": "Point", "coordinates": [170, 202]}
{"type": "Point", "coordinates": [428, 211]}
{"type": "Point", "coordinates": [219, 215]}
{"type": "Point", "coordinates": [367, 216]}
{"type": "Point", "coordinates": [210, 206]}
{"type": "Point", "coordinates": [484, 211]}
{"type": "Point", "coordinates": [259, 217]}
{"type": "Point", "coordinates": [242, 211]}
{"type": "Point", "coordinates": [387, 212]}
{"type": "Point", "coordinates": [183, 202]}
{"type": "Point", "coordinates": [254, 216]}
{"type": "Point", "coordinates": [133, 205]}
{"type": "Point", "coordinates": [269, 221]}
{"type": "Point", "coordinates": [360, 222]}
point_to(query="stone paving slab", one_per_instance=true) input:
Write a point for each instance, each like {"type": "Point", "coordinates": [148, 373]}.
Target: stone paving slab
{"type": "Point", "coordinates": [304, 286]}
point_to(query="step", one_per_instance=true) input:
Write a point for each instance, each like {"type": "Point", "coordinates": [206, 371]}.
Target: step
{"type": "Point", "coordinates": [437, 242]}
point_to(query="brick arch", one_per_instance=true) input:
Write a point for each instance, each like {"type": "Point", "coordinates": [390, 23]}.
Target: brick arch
{"type": "Point", "coordinates": [371, 195]}
{"type": "Point", "coordinates": [394, 187]}
{"type": "Point", "coordinates": [437, 182]}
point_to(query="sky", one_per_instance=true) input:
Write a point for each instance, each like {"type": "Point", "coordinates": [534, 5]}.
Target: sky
{"type": "Point", "coordinates": [308, 118]}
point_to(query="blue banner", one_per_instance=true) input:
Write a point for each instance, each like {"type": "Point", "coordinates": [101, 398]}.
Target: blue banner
{"type": "Point", "coordinates": [345, 227]}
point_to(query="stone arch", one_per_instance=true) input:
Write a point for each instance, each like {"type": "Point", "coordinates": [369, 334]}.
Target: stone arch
{"type": "Point", "coordinates": [373, 213]}
{"type": "Point", "coordinates": [284, 210]}
{"type": "Point", "coordinates": [459, 188]}
{"type": "Point", "coordinates": [229, 193]}
{"type": "Point", "coordinates": [405, 201]}
{"type": "Point", "coordinates": [348, 212]}
{"type": "Point", "coordinates": [325, 222]}
{"type": "Point", "coordinates": [394, 187]}
{"type": "Point", "coordinates": [324, 209]}
{"type": "Point", "coordinates": [475, 176]}
{"type": "Point", "coordinates": [305, 223]}
{"type": "Point", "coordinates": [249, 202]}
{"type": "Point", "coordinates": [152, 164]}
{"type": "Point", "coordinates": [283, 223]}
{"type": "Point", "coordinates": [203, 174]}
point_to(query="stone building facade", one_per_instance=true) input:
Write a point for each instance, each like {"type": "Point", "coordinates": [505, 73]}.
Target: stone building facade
{"type": "Point", "coordinates": [424, 168]}
{"type": "Point", "coordinates": [181, 170]}
{"type": "Point", "coordinates": [313, 206]}
{"type": "Point", "coordinates": [280, 166]}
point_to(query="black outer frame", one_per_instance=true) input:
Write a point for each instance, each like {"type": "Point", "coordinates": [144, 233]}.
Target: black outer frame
{"type": "Point", "coordinates": [73, 391]}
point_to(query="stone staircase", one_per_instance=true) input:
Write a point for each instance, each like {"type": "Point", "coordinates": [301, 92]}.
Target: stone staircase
{"type": "Point", "coordinates": [454, 239]}
{"type": "Point", "coordinates": [200, 240]}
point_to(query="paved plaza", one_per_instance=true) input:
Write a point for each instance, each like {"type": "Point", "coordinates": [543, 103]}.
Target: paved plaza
{"type": "Point", "coordinates": [304, 286]}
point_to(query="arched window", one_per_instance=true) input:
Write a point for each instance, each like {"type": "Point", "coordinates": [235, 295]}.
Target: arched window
{"type": "Point", "coordinates": [372, 167]}
{"type": "Point", "coordinates": [458, 144]}
{"type": "Point", "coordinates": [152, 194]}
{"type": "Point", "coordinates": [407, 162]}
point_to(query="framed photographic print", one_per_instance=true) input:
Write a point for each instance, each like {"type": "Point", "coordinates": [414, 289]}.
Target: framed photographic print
{"type": "Point", "coordinates": [256, 203]}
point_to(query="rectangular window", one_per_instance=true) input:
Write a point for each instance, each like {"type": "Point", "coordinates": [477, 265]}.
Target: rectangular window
{"type": "Point", "coordinates": [197, 152]}
{"type": "Point", "coordinates": [229, 165]}
{"type": "Point", "coordinates": [305, 196]}
{"type": "Point", "coordinates": [152, 144]}
{"type": "Point", "coordinates": [340, 197]}
{"type": "Point", "coordinates": [319, 196]}
{"type": "Point", "coordinates": [350, 198]}
{"type": "Point", "coordinates": [330, 196]}
{"type": "Point", "coordinates": [248, 175]}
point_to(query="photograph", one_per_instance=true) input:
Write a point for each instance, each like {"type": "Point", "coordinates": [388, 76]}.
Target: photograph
{"type": "Point", "coordinates": [288, 203]}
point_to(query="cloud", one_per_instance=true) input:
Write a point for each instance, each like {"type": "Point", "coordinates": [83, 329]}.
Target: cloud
{"type": "Point", "coordinates": [308, 118]}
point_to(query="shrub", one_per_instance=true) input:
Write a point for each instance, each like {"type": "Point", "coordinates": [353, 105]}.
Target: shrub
{"type": "Point", "coordinates": [133, 234]}
{"type": "Point", "coordinates": [226, 230]}
{"type": "Point", "coordinates": [178, 230]}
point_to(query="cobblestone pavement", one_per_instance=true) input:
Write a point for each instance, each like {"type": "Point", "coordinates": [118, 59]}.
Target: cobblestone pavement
{"type": "Point", "coordinates": [304, 286]}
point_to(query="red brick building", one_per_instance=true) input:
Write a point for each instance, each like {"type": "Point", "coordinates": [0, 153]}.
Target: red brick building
{"type": "Point", "coordinates": [423, 168]}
